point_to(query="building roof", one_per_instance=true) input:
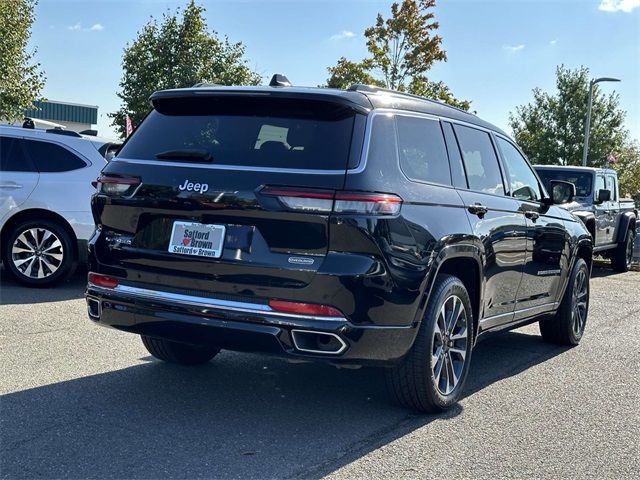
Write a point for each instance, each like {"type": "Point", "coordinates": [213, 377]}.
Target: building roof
{"type": "Point", "coordinates": [63, 111]}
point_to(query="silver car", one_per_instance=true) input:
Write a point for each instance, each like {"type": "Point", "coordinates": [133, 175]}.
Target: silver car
{"type": "Point", "coordinates": [45, 191]}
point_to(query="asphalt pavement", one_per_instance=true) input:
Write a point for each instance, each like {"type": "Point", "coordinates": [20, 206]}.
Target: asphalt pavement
{"type": "Point", "coordinates": [80, 401]}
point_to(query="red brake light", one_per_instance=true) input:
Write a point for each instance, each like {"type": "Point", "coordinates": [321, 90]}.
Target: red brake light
{"type": "Point", "coordinates": [304, 308]}
{"type": "Point", "coordinates": [116, 185]}
{"type": "Point", "coordinates": [326, 201]}
{"type": "Point", "coordinates": [368, 203]}
{"type": "Point", "coordinates": [102, 280]}
{"type": "Point", "coordinates": [304, 200]}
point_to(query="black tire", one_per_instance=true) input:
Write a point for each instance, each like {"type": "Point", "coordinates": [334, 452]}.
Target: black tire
{"type": "Point", "coordinates": [180, 353]}
{"type": "Point", "coordinates": [566, 327]}
{"type": "Point", "coordinates": [413, 382]}
{"type": "Point", "coordinates": [622, 256]}
{"type": "Point", "coordinates": [48, 244]}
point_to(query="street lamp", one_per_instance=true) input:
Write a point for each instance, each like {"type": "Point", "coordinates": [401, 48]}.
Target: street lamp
{"type": "Point", "coordinates": [587, 123]}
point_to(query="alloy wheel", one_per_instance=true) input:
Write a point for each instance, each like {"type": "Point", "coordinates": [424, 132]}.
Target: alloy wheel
{"type": "Point", "coordinates": [580, 303]}
{"type": "Point", "coordinates": [629, 256]}
{"type": "Point", "coordinates": [37, 253]}
{"type": "Point", "coordinates": [450, 339]}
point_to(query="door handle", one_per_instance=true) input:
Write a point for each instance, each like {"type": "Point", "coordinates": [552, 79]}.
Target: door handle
{"type": "Point", "coordinates": [478, 209]}
{"type": "Point", "coordinates": [533, 216]}
{"type": "Point", "coordinates": [10, 186]}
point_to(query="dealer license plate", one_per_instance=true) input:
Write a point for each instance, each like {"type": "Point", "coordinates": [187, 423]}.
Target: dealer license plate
{"type": "Point", "coordinates": [189, 238]}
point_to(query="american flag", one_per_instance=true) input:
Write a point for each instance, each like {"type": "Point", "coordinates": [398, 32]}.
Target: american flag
{"type": "Point", "coordinates": [129, 126]}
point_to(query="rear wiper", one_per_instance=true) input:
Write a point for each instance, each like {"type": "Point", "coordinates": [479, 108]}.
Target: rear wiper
{"type": "Point", "coordinates": [194, 155]}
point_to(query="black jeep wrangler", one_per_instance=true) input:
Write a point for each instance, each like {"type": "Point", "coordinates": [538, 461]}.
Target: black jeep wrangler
{"type": "Point", "coordinates": [359, 227]}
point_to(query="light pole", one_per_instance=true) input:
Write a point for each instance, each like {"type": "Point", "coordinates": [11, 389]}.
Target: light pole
{"type": "Point", "coordinates": [587, 123]}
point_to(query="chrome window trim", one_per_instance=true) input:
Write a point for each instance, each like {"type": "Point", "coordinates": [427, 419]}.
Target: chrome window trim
{"type": "Point", "coordinates": [243, 168]}
{"type": "Point", "coordinates": [362, 164]}
{"type": "Point", "coordinates": [204, 302]}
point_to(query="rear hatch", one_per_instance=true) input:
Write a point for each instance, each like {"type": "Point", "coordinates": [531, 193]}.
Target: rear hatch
{"type": "Point", "coordinates": [208, 187]}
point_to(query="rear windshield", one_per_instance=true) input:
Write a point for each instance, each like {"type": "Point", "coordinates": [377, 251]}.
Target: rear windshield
{"type": "Point", "coordinates": [253, 132]}
{"type": "Point", "coordinates": [581, 180]}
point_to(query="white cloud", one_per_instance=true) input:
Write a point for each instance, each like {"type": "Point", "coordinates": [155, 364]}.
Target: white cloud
{"type": "Point", "coordinates": [513, 48]}
{"type": "Point", "coordinates": [96, 27]}
{"type": "Point", "coordinates": [342, 35]}
{"type": "Point", "coordinates": [618, 5]}
{"type": "Point", "coordinates": [553, 42]}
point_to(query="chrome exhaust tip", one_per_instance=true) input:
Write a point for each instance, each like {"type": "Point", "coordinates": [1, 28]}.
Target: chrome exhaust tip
{"type": "Point", "coordinates": [94, 308]}
{"type": "Point", "coordinates": [319, 343]}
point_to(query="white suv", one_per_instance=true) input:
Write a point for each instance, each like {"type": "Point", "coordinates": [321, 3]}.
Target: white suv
{"type": "Point", "coordinates": [45, 192]}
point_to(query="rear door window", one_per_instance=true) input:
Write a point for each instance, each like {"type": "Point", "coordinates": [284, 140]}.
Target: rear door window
{"type": "Point", "coordinates": [247, 132]}
{"type": "Point", "coordinates": [12, 156]}
{"type": "Point", "coordinates": [422, 151]}
{"type": "Point", "coordinates": [480, 160]}
{"type": "Point", "coordinates": [611, 186]}
{"type": "Point", "coordinates": [50, 158]}
{"type": "Point", "coordinates": [599, 184]}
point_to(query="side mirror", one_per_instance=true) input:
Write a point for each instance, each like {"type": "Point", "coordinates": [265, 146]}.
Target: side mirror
{"type": "Point", "coordinates": [603, 196]}
{"type": "Point", "coordinates": [562, 192]}
{"type": "Point", "coordinates": [525, 193]}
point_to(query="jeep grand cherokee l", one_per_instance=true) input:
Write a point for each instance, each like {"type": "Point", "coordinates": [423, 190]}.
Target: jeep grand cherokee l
{"type": "Point", "coordinates": [361, 227]}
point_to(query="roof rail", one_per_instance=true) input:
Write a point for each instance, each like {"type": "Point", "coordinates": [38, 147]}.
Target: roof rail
{"type": "Point", "coordinates": [59, 131]}
{"type": "Point", "coordinates": [359, 87]}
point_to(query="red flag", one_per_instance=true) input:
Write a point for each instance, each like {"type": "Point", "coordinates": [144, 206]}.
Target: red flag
{"type": "Point", "coordinates": [129, 126]}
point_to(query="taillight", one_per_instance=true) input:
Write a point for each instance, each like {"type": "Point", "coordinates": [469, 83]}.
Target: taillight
{"type": "Point", "coordinates": [117, 185]}
{"type": "Point", "coordinates": [306, 200]}
{"type": "Point", "coordinates": [326, 201]}
{"type": "Point", "coordinates": [299, 308]}
{"type": "Point", "coordinates": [367, 203]}
{"type": "Point", "coordinates": [100, 280]}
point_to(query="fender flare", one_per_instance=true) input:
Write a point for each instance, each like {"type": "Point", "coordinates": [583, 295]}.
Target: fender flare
{"type": "Point", "coordinates": [583, 241]}
{"type": "Point", "coordinates": [627, 221]}
{"type": "Point", "coordinates": [586, 218]}
{"type": "Point", "coordinates": [440, 256]}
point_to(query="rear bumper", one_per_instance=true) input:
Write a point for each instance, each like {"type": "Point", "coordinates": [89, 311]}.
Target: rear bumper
{"type": "Point", "coordinates": [241, 326]}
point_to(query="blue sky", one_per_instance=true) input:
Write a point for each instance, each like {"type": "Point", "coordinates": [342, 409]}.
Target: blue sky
{"type": "Point", "coordinates": [498, 50]}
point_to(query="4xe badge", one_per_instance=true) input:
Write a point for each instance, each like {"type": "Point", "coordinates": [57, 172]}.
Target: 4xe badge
{"type": "Point", "coordinates": [193, 187]}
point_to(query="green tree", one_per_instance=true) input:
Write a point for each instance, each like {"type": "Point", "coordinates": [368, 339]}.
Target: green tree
{"type": "Point", "coordinates": [402, 49]}
{"type": "Point", "coordinates": [346, 73]}
{"type": "Point", "coordinates": [20, 77]}
{"type": "Point", "coordinates": [422, 86]}
{"type": "Point", "coordinates": [628, 167]}
{"type": "Point", "coordinates": [179, 51]}
{"type": "Point", "coordinates": [550, 129]}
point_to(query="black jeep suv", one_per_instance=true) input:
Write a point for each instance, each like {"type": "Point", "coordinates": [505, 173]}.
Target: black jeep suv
{"type": "Point", "coordinates": [363, 227]}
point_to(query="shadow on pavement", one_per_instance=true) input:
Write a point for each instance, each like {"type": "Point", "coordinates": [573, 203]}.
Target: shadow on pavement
{"type": "Point", "coordinates": [242, 415]}
{"type": "Point", "coordinates": [14, 293]}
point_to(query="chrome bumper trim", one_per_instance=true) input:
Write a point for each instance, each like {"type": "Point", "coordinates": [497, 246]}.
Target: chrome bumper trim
{"type": "Point", "coordinates": [203, 302]}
